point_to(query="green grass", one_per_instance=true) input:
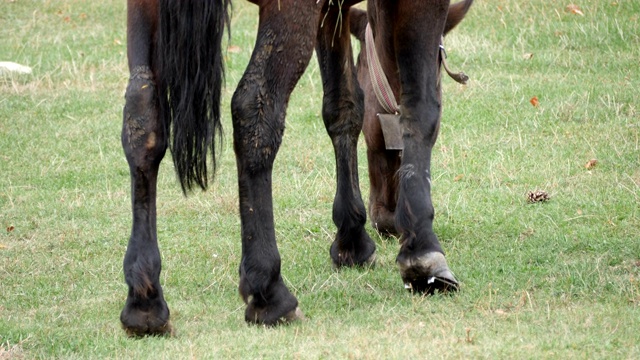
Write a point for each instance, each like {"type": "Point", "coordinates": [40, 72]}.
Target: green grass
{"type": "Point", "coordinates": [559, 279]}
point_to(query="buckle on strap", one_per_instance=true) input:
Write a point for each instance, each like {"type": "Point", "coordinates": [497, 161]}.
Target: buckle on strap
{"type": "Point", "coordinates": [459, 77]}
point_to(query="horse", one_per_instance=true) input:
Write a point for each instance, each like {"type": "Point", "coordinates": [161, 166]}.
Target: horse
{"type": "Point", "coordinates": [172, 101]}
{"type": "Point", "coordinates": [383, 161]}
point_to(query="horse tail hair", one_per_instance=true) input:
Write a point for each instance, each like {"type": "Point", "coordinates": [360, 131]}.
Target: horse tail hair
{"type": "Point", "coordinates": [190, 72]}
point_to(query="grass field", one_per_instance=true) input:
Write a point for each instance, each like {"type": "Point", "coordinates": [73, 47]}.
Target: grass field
{"type": "Point", "coordinates": [559, 279]}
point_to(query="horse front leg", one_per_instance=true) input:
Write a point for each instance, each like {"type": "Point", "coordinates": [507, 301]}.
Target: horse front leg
{"type": "Point", "coordinates": [144, 143]}
{"type": "Point", "coordinates": [421, 259]}
{"type": "Point", "coordinates": [382, 163]}
{"type": "Point", "coordinates": [342, 111]}
{"type": "Point", "coordinates": [283, 49]}
{"type": "Point", "coordinates": [383, 180]}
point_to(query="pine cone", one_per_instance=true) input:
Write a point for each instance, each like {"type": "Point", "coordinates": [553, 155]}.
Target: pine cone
{"type": "Point", "coordinates": [537, 196]}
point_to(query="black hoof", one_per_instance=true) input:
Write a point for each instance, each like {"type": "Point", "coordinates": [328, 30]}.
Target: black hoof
{"type": "Point", "coordinates": [427, 274]}
{"type": "Point", "coordinates": [355, 253]}
{"type": "Point", "coordinates": [137, 331]}
{"type": "Point", "coordinates": [261, 316]}
{"type": "Point", "coordinates": [149, 320]}
{"type": "Point", "coordinates": [276, 307]}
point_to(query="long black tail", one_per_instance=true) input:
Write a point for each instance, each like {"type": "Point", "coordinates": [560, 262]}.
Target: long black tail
{"type": "Point", "coordinates": [190, 72]}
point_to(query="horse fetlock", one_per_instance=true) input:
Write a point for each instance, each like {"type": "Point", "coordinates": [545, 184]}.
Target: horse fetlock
{"type": "Point", "coordinates": [143, 282]}
{"type": "Point", "coordinates": [145, 311]}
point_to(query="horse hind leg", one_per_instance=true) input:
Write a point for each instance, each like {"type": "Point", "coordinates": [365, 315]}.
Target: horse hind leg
{"type": "Point", "coordinates": [144, 143]}
{"type": "Point", "coordinates": [342, 112]}
{"type": "Point", "coordinates": [258, 113]}
{"type": "Point", "coordinates": [143, 140]}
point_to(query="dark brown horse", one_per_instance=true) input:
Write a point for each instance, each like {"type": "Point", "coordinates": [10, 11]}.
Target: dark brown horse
{"type": "Point", "coordinates": [172, 101]}
{"type": "Point", "coordinates": [384, 163]}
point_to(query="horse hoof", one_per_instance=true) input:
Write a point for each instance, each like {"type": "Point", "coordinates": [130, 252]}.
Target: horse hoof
{"type": "Point", "coordinates": [154, 321]}
{"type": "Point", "coordinates": [275, 307]}
{"type": "Point", "coordinates": [343, 262]}
{"type": "Point", "coordinates": [427, 274]}
{"type": "Point", "coordinates": [264, 317]}
{"type": "Point", "coordinates": [142, 331]}
{"type": "Point", "coordinates": [146, 326]}
{"type": "Point", "coordinates": [360, 253]}
{"type": "Point", "coordinates": [292, 316]}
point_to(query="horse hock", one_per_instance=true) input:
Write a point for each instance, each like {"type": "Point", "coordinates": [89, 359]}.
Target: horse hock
{"type": "Point", "coordinates": [145, 311]}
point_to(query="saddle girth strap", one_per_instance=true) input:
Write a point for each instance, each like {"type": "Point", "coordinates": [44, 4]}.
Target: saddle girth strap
{"type": "Point", "coordinates": [379, 80]}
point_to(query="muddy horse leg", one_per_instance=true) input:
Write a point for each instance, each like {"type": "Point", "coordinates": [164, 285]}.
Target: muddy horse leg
{"type": "Point", "coordinates": [421, 259]}
{"type": "Point", "coordinates": [342, 114]}
{"type": "Point", "coordinates": [144, 143]}
{"type": "Point", "coordinates": [283, 49]}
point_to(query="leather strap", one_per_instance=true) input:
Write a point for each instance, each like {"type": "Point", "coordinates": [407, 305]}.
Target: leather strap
{"type": "Point", "coordinates": [381, 86]}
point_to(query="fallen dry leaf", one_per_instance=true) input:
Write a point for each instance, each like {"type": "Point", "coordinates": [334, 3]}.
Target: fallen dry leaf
{"type": "Point", "coordinates": [574, 9]}
{"type": "Point", "coordinates": [591, 164]}
{"type": "Point", "coordinates": [10, 228]}
{"type": "Point", "coordinates": [469, 338]}
{"type": "Point", "coordinates": [534, 101]}
{"type": "Point", "coordinates": [234, 49]}
{"type": "Point", "coordinates": [527, 56]}
{"type": "Point", "coordinates": [458, 177]}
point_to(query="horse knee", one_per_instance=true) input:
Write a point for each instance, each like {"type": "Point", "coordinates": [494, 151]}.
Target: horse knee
{"type": "Point", "coordinates": [258, 124]}
{"type": "Point", "coordinates": [143, 137]}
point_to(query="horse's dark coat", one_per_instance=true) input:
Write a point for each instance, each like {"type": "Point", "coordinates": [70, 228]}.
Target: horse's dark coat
{"type": "Point", "coordinates": [176, 72]}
